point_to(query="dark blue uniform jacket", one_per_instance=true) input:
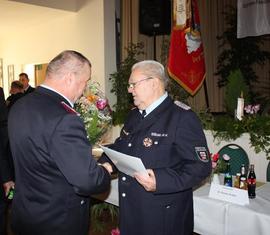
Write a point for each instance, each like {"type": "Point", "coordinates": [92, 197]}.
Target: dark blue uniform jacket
{"type": "Point", "coordinates": [169, 140]}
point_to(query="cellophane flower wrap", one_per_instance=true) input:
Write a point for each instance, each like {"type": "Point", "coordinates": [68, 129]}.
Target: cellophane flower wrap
{"type": "Point", "coordinates": [95, 111]}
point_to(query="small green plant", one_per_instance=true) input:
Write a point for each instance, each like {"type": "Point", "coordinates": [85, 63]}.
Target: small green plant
{"type": "Point", "coordinates": [119, 81]}
{"type": "Point", "coordinates": [102, 213]}
{"type": "Point", "coordinates": [235, 88]}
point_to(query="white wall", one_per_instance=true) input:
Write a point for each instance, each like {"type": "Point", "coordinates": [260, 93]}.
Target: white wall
{"type": "Point", "coordinates": [89, 31]}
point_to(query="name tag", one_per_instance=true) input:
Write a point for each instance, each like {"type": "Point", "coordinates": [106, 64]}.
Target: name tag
{"type": "Point", "coordinates": [229, 194]}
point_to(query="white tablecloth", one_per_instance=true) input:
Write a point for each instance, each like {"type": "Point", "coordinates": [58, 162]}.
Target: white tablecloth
{"type": "Point", "coordinates": [215, 217]}
{"type": "Point", "coordinates": [212, 217]}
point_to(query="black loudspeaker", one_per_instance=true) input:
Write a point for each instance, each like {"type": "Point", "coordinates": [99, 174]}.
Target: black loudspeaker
{"type": "Point", "coordinates": [155, 17]}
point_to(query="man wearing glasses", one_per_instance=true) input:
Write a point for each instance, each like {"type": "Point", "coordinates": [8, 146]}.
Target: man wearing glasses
{"type": "Point", "coordinates": [169, 139]}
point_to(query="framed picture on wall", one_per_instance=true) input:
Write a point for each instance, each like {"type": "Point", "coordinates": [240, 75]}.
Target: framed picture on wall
{"type": "Point", "coordinates": [1, 73]}
{"type": "Point", "coordinates": [10, 75]}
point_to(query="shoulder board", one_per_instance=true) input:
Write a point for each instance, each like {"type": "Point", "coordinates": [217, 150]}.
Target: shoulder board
{"type": "Point", "coordinates": [69, 109]}
{"type": "Point", "coordinates": [182, 105]}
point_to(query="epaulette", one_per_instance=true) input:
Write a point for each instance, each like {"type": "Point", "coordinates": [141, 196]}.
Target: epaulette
{"type": "Point", "coordinates": [69, 109]}
{"type": "Point", "coordinates": [182, 105]}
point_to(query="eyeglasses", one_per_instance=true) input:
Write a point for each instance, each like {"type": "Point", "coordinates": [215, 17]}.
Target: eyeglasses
{"type": "Point", "coordinates": [133, 84]}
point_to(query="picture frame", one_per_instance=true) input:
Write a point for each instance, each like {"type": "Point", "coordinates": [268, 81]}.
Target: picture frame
{"type": "Point", "coordinates": [1, 73]}
{"type": "Point", "coordinates": [10, 69]}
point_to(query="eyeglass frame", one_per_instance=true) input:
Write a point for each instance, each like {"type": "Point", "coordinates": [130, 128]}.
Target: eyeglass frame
{"type": "Point", "coordinates": [132, 85]}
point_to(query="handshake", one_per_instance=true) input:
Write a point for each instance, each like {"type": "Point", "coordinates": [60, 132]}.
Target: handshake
{"type": "Point", "coordinates": [107, 166]}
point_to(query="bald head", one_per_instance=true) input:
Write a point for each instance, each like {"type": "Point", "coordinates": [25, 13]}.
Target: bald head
{"type": "Point", "coordinates": [68, 74]}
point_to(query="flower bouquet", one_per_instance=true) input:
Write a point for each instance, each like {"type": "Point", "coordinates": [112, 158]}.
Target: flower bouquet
{"type": "Point", "coordinates": [218, 166]}
{"type": "Point", "coordinates": [95, 111]}
{"type": "Point", "coordinates": [218, 163]}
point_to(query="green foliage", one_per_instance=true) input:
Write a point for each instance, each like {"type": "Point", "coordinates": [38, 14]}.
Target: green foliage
{"type": "Point", "coordinates": [227, 128]}
{"type": "Point", "coordinates": [101, 212]}
{"type": "Point", "coordinates": [120, 83]}
{"type": "Point", "coordinates": [235, 87]}
{"type": "Point", "coordinates": [239, 53]}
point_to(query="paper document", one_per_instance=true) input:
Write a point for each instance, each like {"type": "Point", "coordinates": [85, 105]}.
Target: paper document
{"type": "Point", "coordinates": [125, 163]}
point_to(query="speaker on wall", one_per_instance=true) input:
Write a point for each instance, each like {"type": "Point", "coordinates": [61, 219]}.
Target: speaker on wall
{"type": "Point", "coordinates": [155, 17]}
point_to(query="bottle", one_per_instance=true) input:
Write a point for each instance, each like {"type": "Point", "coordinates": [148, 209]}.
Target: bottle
{"type": "Point", "coordinates": [228, 175]}
{"type": "Point", "coordinates": [237, 180]}
{"type": "Point", "coordinates": [10, 194]}
{"type": "Point", "coordinates": [243, 178]}
{"type": "Point", "coordinates": [251, 182]}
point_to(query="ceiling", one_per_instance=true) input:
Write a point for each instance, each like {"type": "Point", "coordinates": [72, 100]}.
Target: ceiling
{"type": "Point", "coordinates": [68, 5]}
{"type": "Point", "coordinates": [17, 14]}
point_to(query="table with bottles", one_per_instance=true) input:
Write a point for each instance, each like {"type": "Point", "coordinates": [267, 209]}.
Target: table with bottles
{"type": "Point", "coordinates": [213, 216]}
{"type": "Point", "coordinates": [216, 217]}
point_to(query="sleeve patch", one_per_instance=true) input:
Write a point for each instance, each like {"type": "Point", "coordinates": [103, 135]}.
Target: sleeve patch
{"type": "Point", "coordinates": [202, 154]}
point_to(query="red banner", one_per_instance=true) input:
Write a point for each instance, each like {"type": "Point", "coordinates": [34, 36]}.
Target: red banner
{"type": "Point", "coordinates": [186, 59]}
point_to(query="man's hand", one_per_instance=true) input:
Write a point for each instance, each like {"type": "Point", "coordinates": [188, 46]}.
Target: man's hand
{"type": "Point", "coordinates": [147, 181]}
{"type": "Point", "coordinates": [7, 186]}
{"type": "Point", "coordinates": [107, 166]}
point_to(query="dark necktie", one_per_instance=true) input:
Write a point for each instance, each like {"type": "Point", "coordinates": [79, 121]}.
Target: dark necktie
{"type": "Point", "coordinates": [143, 113]}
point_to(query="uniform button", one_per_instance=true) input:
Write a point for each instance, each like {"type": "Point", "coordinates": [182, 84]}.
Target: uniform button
{"type": "Point", "coordinates": [123, 195]}
{"type": "Point", "coordinates": [168, 207]}
{"type": "Point", "coordinates": [129, 144]}
{"type": "Point", "coordinates": [124, 178]}
{"type": "Point", "coordinates": [82, 202]}
{"type": "Point", "coordinates": [156, 142]}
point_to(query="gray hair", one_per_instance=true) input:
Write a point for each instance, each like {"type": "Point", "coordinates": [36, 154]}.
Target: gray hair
{"type": "Point", "coordinates": [67, 61]}
{"type": "Point", "coordinates": [152, 68]}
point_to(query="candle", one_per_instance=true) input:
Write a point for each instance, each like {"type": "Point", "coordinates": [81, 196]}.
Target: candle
{"type": "Point", "coordinates": [240, 108]}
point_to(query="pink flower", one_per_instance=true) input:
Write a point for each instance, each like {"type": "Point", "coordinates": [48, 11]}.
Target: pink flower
{"type": "Point", "coordinates": [226, 157]}
{"type": "Point", "coordinates": [252, 109]}
{"type": "Point", "coordinates": [101, 104]}
{"type": "Point", "coordinates": [115, 231]}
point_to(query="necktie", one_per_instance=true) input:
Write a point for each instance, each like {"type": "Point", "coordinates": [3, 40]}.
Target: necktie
{"type": "Point", "coordinates": [143, 113]}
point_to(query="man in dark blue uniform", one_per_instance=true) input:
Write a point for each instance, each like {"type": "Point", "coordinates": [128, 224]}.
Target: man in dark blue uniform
{"type": "Point", "coordinates": [55, 172]}
{"type": "Point", "coordinates": [6, 170]}
{"type": "Point", "coordinates": [169, 139]}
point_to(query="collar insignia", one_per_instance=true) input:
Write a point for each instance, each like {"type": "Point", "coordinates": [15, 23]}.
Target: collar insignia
{"type": "Point", "coordinates": [69, 109]}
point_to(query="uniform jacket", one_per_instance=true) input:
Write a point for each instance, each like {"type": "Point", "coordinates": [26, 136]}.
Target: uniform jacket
{"type": "Point", "coordinates": [55, 172]}
{"type": "Point", "coordinates": [6, 164]}
{"type": "Point", "coordinates": [29, 90]}
{"type": "Point", "coordinates": [169, 140]}
{"type": "Point", "coordinates": [5, 160]}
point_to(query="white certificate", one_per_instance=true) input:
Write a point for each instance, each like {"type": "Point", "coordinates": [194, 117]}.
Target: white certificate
{"type": "Point", "coordinates": [125, 163]}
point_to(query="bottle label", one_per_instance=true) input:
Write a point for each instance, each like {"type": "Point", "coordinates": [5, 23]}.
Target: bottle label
{"type": "Point", "coordinates": [10, 194]}
{"type": "Point", "coordinates": [251, 181]}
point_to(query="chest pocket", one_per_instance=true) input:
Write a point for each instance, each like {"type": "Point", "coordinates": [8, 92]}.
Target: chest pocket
{"type": "Point", "coordinates": [157, 151]}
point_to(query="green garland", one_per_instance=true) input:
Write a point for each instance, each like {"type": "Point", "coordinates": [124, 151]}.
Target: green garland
{"type": "Point", "coordinates": [226, 128]}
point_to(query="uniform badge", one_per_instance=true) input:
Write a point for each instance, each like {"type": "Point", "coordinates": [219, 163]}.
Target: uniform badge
{"type": "Point", "coordinates": [69, 109]}
{"type": "Point", "coordinates": [147, 142]}
{"type": "Point", "coordinates": [202, 154]}
{"type": "Point", "coordinates": [182, 105]}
